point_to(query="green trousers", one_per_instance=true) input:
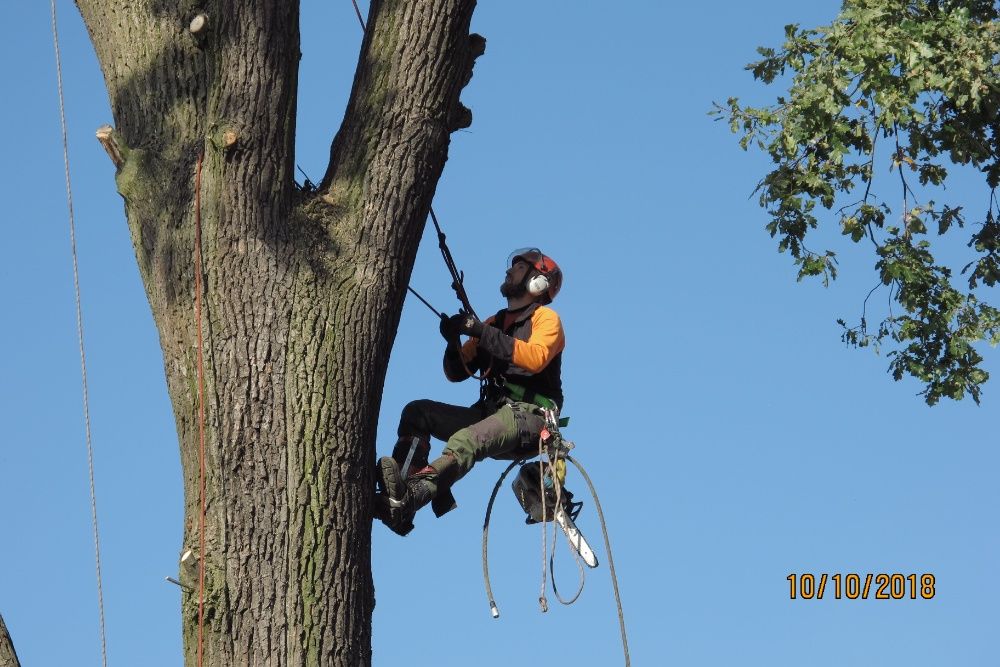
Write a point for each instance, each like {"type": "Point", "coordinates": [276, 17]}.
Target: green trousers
{"type": "Point", "coordinates": [471, 434]}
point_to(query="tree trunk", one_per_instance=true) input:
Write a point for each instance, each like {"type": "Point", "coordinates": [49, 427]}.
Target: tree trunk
{"type": "Point", "coordinates": [302, 292]}
{"type": "Point", "coordinates": [8, 657]}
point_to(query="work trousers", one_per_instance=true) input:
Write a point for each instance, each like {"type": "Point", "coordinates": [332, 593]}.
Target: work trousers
{"type": "Point", "coordinates": [506, 431]}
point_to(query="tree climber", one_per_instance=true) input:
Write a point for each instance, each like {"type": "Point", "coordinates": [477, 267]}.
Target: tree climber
{"type": "Point", "coordinates": [518, 352]}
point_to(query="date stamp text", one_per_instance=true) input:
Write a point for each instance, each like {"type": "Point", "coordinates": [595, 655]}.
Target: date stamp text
{"type": "Point", "coordinates": [808, 586]}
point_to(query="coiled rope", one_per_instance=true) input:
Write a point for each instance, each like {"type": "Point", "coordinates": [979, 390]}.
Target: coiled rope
{"type": "Point", "coordinates": [543, 455]}
{"type": "Point", "coordinates": [543, 603]}
{"type": "Point", "coordinates": [79, 331]}
{"type": "Point", "coordinates": [611, 560]}
{"type": "Point", "coordinates": [494, 609]}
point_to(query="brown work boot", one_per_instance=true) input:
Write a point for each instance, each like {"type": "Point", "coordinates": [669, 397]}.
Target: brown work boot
{"type": "Point", "coordinates": [399, 501]}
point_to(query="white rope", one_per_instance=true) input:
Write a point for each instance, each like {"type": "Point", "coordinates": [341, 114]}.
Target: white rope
{"type": "Point", "coordinates": [79, 330]}
{"type": "Point", "coordinates": [611, 560]}
{"type": "Point", "coordinates": [543, 603]}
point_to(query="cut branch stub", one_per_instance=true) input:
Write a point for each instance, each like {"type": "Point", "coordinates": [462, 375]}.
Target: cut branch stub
{"type": "Point", "coordinates": [109, 139]}
{"type": "Point", "coordinates": [199, 23]}
{"type": "Point", "coordinates": [477, 45]}
{"type": "Point", "coordinates": [461, 116]}
{"type": "Point", "coordinates": [225, 138]}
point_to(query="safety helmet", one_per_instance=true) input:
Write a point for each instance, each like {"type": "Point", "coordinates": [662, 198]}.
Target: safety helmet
{"type": "Point", "coordinates": [546, 279]}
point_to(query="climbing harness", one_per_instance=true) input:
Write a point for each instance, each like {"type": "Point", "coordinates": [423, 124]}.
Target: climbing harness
{"type": "Point", "coordinates": [540, 491]}
{"type": "Point", "coordinates": [79, 330]}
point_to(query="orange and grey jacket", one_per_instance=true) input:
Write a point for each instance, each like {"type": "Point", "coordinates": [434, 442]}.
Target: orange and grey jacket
{"type": "Point", "coordinates": [524, 347]}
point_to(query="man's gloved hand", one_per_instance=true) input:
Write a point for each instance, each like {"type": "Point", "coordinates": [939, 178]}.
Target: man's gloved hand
{"type": "Point", "coordinates": [450, 327]}
{"type": "Point", "coordinates": [470, 325]}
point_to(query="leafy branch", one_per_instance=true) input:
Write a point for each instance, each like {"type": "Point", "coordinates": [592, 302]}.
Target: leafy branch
{"type": "Point", "coordinates": [925, 76]}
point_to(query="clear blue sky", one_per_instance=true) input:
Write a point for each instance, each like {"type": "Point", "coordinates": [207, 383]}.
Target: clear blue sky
{"type": "Point", "coordinates": [733, 439]}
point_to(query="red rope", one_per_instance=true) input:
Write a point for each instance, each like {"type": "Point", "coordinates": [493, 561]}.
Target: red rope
{"type": "Point", "coordinates": [201, 408]}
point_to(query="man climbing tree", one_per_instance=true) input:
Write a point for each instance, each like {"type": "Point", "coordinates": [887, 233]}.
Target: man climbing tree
{"type": "Point", "coordinates": [300, 292]}
{"type": "Point", "coordinates": [904, 86]}
{"type": "Point", "coordinates": [518, 352]}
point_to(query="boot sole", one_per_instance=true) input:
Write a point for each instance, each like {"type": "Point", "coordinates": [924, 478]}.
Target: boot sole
{"type": "Point", "coordinates": [392, 483]}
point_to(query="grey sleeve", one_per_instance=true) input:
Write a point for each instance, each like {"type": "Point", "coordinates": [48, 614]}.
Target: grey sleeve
{"type": "Point", "coordinates": [497, 343]}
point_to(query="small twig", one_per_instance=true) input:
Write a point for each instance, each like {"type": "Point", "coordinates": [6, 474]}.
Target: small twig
{"type": "Point", "coordinates": [871, 177]}
{"type": "Point", "coordinates": [891, 286]}
{"type": "Point", "coordinates": [864, 309]}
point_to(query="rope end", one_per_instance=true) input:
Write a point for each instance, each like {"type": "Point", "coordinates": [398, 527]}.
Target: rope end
{"type": "Point", "coordinates": [494, 612]}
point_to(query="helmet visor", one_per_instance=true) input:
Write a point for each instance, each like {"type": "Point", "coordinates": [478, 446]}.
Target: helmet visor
{"type": "Point", "coordinates": [532, 256]}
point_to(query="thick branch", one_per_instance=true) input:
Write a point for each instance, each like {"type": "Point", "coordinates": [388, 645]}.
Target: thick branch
{"type": "Point", "coordinates": [8, 658]}
{"type": "Point", "coordinates": [416, 58]}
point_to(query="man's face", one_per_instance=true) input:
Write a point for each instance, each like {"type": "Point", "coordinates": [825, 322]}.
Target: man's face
{"type": "Point", "coordinates": [514, 284]}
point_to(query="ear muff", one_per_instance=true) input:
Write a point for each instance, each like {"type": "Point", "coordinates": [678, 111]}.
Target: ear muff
{"type": "Point", "coordinates": [538, 285]}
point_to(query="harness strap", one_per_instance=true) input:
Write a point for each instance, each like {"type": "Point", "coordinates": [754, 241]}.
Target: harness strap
{"type": "Point", "coordinates": [525, 395]}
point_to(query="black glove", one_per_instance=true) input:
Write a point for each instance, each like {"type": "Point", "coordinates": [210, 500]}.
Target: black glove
{"type": "Point", "coordinates": [450, 327]}
{"type": "Point", "coordinates": [470, 325]}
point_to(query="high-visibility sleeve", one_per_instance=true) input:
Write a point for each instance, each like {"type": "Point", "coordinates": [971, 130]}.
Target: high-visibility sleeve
{"type": "Point", "coordinates": [533, 355]}
{"type": "Point", "coordinates": [546, 341]}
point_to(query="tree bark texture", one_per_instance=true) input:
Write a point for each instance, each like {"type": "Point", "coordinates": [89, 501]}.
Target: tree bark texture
{"type": "Point", "coordinates": [8, 658]}
{"type": "Point", "coordinates": [302, 291]}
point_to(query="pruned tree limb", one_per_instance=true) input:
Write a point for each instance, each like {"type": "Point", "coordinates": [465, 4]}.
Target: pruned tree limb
{"type": "Point", "coordinates": [106, 135]}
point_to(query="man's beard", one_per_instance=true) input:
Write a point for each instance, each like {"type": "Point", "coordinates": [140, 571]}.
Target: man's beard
{"type": "Point", "coordinates": [511, 291]}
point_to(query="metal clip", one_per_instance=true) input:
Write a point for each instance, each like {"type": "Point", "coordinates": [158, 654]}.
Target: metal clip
{"type": "Point", "coordinates": [177, 583]}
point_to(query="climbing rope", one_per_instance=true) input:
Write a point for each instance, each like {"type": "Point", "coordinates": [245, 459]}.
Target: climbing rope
{"type": "Point", "coordinates": [552, 556]}
{"type": "Point", "coordinates": [201, 409]}
{"type": "Point", "coordinates": [543, 603]}
{"type": "Point", "coordinates": [545, 455]}
{"type": "Point", "coordinates": [79, 331]}
{"type": "Point", "coordinates": [494, 610]}
{"type": "Point", "coordinates": [357, 10]}
{"type": "Point", "coordinates": [611, 560]}
{"type": "Point", "coordinates": [552, 571]}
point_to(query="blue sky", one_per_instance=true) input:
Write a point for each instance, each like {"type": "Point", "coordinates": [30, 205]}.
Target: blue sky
{"type": "Point", "coordinates": [731, 436]}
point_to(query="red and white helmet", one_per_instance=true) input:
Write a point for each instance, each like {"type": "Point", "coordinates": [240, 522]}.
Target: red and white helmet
{"type": "Point", "coordinates": [546, 279]}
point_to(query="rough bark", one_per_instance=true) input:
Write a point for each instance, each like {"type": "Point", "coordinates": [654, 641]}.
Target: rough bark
{"type": "Point", "coordinates": [302, 291]}
{"type": "Point", "coordinates": [8, 658]}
